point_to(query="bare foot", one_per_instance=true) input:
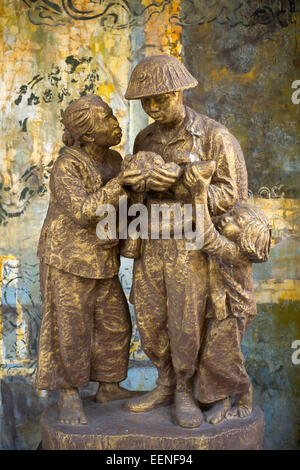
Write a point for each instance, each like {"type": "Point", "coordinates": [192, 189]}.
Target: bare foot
{"type": "Point", "coordinates": [243, 407]}
{"type": "Point", "coordinates": [232, 413]}
{"type": "Point", "coordinates": [218, 411]}
{"type": "Point", "coordinates": [110, 392]}
{"type": "Point", "coordinates": [70, 407]}
{"type": "Point", "coordinates": [244, 403]}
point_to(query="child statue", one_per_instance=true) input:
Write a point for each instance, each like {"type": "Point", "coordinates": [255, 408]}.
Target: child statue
{"type": "Point", "coordinates": [86, 327]}
{"type": "Point", "coordinates": [242, 236]}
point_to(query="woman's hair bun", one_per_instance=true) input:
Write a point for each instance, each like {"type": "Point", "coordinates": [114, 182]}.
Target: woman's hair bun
{"type": "Point", "coordinates": [67, 139]}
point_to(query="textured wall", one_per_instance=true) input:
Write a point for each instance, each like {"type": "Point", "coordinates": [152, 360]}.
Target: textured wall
{"type": "Point", "coordinates": [245, 57]}
{"type": "Point", "coordinates": [246, 61]}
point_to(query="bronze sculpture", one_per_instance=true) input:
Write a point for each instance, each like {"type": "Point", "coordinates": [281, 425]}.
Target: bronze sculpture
{"type": "Point", "coordinates": [192, 305]}
{"type": "Point", "coordinates": [171, 284]}
{"type": "Point", "coordinates": [86, 326]}
{"type": "Point", "coordinates": [242, 237]}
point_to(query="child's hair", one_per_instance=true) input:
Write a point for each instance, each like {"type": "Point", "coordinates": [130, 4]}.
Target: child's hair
{"type": "Point", "coordinates": [78, 118]}
{"type": "Point", "coordinates": [255, 238]}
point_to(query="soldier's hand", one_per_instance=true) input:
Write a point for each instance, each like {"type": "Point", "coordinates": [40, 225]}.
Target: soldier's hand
{"type": "Point", "coordinates": [162, 179]}
{"type": "Point", "coordinates": [197, 176]}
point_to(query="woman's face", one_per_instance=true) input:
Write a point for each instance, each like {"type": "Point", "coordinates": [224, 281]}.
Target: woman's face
{"type": "Point", "coordinates": [106, 129]}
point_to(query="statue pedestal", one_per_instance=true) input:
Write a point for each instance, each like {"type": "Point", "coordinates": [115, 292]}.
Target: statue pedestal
{"type": "Point", "coordinates": [112, 427]}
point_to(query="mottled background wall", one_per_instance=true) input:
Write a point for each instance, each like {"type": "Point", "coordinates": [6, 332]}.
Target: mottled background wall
{"type": "Point", "coordinates": [246, 58]}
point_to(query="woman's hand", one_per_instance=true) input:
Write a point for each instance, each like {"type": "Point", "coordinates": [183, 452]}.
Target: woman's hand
{"type": "Point", "coordinates": [130, 177]}
{"type": "Point", "coordinates": [139, 187]}
{"type": "Point", "coordinates": [162, 179]}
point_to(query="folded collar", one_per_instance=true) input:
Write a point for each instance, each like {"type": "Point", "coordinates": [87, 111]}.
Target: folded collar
{"type": "Point", "coordinates": [193, 124]}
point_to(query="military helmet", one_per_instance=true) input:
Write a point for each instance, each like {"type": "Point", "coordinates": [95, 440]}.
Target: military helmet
{"type": "Point", "coordinates": [158, 74]}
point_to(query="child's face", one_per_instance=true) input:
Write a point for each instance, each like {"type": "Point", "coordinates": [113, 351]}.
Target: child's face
{"type": "Point", "coordinates": [107, 131]}
{"type": "Point", "coordinates": [231, 224]}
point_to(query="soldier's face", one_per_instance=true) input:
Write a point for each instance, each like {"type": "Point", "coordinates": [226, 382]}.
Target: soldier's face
{"type": "Point", "coordinates": [165, 108]}
{"type": "Point", "coordinates": [107, 131]}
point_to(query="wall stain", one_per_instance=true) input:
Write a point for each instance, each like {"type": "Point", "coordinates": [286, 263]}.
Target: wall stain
{"type": "Point", "coordinates": [245, 56]}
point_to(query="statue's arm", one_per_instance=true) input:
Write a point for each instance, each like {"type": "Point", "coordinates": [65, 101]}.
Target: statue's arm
{"type": "Point", "coordinates": [215, 244]}
{"type": "Point", "coordinates": [222, 192]}
{"type": "Point", "coordinates": [69, 192]}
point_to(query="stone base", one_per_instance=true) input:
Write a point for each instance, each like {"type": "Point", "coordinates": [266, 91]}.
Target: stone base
{"type": "Point", "coordinates": [112, 427]}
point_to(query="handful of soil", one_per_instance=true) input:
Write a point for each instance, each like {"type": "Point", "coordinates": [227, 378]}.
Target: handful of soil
{"type": "Point", "coordinates": [147, 163]}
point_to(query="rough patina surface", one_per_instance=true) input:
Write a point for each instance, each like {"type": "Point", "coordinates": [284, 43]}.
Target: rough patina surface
{"type": "Point", "coordinates": [246, 57]}
{"type": "Point", "coordinates": [112, 427]}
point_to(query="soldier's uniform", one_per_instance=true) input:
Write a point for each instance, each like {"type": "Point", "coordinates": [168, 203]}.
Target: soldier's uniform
{"type": "Point", "coordinates": [86, 327]}
{"type": "Point", "coordinates": [170, 283]}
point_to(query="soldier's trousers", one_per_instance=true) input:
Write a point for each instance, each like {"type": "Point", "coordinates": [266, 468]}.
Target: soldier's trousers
{"type": "Point", "coordinates": [85, 332]}
{"type": "Point", "coordinates": [169, 296]}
